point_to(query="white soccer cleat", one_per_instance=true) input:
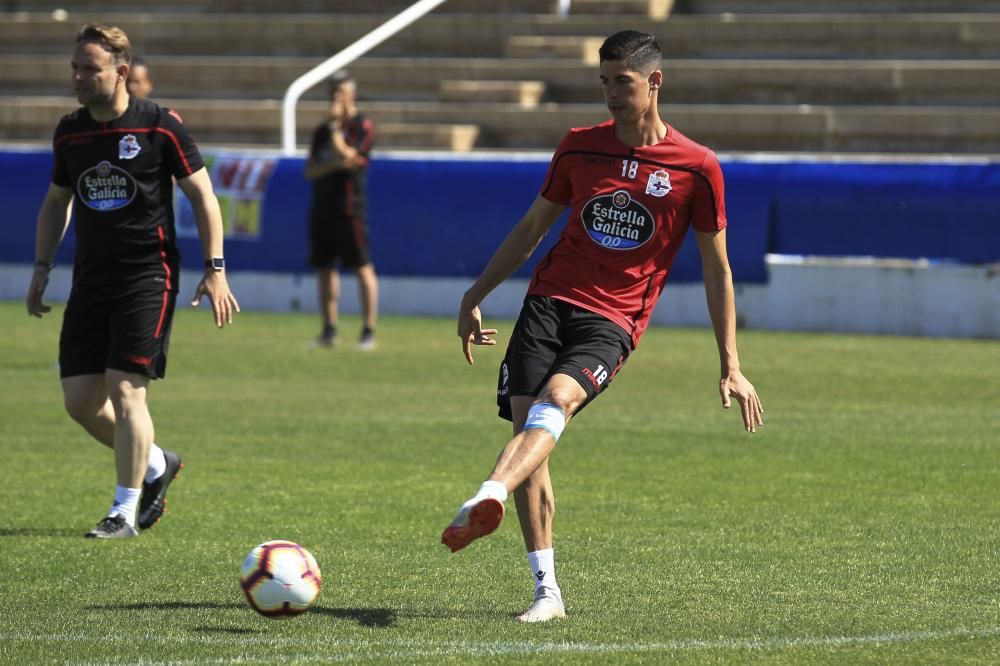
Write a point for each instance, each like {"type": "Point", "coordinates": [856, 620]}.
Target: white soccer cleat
{"type": "Point", "coordinates": [548, 605]}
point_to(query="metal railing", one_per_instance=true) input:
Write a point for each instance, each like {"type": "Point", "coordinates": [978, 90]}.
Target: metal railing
{"type": "Point", "coordinates": [321, 71]}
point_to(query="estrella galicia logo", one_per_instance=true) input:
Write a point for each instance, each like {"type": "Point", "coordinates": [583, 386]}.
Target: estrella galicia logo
{"type": "Point", "coordinates": [106, 187]}
{"type": "Point", "coordinates": [617, 222]}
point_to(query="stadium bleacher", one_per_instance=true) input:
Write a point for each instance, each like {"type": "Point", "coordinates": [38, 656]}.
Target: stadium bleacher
{"type": "Point", "coordinates": [914, 76]}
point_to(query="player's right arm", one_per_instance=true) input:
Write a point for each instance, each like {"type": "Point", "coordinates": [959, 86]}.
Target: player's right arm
{"type": "Point", "coordinates": [53, 219]}
{"type": "Point", "coordinates": [512, 253]}
{"type": "Point", "coordinates": [316, 167]}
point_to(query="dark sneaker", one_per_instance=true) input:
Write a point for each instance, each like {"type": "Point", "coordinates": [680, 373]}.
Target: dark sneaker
{"type": "Point", "coordinates": [112, 527]}
{"type": "Point", "coordinates": [367, 341]}
{"type": "Point", "coordinates": [329, 341]}
{"type": "Point", "coordinates": [153, 502]}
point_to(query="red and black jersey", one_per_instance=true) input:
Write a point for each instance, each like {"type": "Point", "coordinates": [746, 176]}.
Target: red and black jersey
{"type": "Point", "coordinates": [341, 194]}
{"type": "Point", "coordinates": [630, 210]}
{"type": "Point", "coordinates": [120, 173]}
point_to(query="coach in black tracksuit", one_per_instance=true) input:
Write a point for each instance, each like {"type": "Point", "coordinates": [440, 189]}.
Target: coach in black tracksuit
{"type": "Point", "coordinates": [115, 159]}
{"type": "Point", "coordinates": [338, 232]}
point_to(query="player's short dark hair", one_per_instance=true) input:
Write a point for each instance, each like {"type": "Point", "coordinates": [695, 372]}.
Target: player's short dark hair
{"type": "Point", "coordinates": [638, 51]}
{"type": "Point", "coordinates": [110, 38]}
{"type": "Point", "coordinates": [337, 79]}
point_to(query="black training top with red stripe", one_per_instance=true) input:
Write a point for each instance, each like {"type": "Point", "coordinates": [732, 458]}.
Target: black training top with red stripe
{"type": "Point", "coordinates": [630, 210]}
{"type": "Point", "coordinates": [120, 173]}
{"type": "Point", "coordinates": [340, 194]}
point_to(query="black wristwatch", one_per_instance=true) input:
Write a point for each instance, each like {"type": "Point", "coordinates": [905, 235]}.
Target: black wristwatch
{"type": "Point", "coordinates": [216, 264]}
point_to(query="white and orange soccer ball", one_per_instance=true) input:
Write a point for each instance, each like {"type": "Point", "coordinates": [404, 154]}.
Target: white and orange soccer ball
{"type": "Point", "coordinates": [280, 579]}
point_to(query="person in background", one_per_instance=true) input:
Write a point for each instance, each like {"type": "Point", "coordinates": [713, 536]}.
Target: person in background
{"type": "Point", "coordinates": [337, 166]}
{"type": "Point", "coordinates": [140, 81]}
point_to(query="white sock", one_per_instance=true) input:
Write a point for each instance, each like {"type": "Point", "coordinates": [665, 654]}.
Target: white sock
{"type": "Point", "coordinates": [489, 489]}
{"type": "Point", "coordinates": [543, 568]}
{"type": "Point", "coordinates": [157, 464]}
{"type": "Point", "coordinates": [126, 502]}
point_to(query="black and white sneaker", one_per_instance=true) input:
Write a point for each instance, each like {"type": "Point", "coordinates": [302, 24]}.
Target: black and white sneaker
{"type": "Point", "coordinates": [325, 340]}
{"type": "Point", "coordinates": [112, 527]}
{"type": "Point", "coordinates": [366, 342]}
{"type": "Point", "coordinates": [153, 502]}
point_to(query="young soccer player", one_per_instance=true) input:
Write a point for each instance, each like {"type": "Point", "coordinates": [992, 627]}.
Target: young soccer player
{"type": "Point", "coordinates": [634, 185]}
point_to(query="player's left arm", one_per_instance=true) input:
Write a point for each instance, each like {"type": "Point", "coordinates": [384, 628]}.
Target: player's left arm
{"type": "Point", "coordinates": [722, 309]}
{"type": "Point", "coordinates": [208, 217]}
{"type": "Point", "coordinates": [354, 154]}
{"type": "Point", "coordinates": [345, 155]}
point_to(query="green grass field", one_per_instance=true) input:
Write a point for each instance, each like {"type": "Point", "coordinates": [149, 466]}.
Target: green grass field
{"type": "Point", "coordinates": [861, 525]}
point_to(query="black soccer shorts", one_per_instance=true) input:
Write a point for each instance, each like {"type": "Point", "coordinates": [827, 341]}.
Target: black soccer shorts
{"type": "Point", "coordinates": [555, 337]}
{"type": "Point", "coordinates": [123, 326]}
{"type": "Point", "coordinates": [342, 240]}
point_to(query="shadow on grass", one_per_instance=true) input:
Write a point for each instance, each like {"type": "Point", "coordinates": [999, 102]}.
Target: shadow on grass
{"type": "Point", "coordinates": [40, 532]}
{"type": "Point", "coordinates": [366, 617]}
{"type": "Point", "coordinates": [242, 631]}
{"type": "Point", "coordinates": [166, 605]}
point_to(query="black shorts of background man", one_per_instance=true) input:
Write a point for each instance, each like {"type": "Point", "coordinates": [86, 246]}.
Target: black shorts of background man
{"type": "Point", "coordinates": [634, 185]}
{"type": "Point", "coordinates": [115, 160]}
{"type": "Point", "coordinates": [338, 233]}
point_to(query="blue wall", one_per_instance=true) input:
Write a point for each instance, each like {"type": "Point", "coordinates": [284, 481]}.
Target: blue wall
{"type": "Point", "coordinates": [445, 217]}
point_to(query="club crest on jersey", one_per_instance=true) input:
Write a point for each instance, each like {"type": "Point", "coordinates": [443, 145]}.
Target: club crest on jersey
{"type": "Point", "coordinates": [659, 183]}
{"type": "Point", "coordinates": [106, 187]}
{"type": "Point", "coordinates": [128, 147]}
{"type": "Point", "coordinates": [617, 222]}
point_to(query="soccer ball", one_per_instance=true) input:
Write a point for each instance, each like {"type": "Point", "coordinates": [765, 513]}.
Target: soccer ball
{"type": "Point", "coordinates": [280, 579]}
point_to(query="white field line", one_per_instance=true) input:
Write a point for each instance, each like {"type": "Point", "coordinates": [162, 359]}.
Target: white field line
{"type": "Point", "coordinates": [346, 650]}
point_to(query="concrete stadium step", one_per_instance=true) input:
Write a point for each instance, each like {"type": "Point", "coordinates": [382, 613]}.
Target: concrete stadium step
{"type": "Point", "coordinates": [85, 9]}
{"type": "Point", "coordinates": [452, 137]}
{"type": "Point", "coordinates": [949, 130]}
{"type": "Point", "coordinates": [921, 36]}
{"type": "Point", "coordinates": [583, 49]}
{"type": "Point", "coordinates": [832, 6]}
{"type": "Point", "coordinates": [88, 9]}
{"type": "Point", "coordinates": [655, 9]}
{"type": "Point", "coordinates": [238, 122]}
{"type": "Point", "coordinates": [525, 94]}
{"type": "Point", "coordinates": [709, 81]}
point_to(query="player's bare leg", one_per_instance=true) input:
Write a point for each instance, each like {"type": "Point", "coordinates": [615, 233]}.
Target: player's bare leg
{"type": "Point", "coordinates": [523, 465]}
{"type": "Point", "coordinates": [87, 403]}
{"type": "Point", "coordinates": [328, 289]}
{"type": "Point", "coordinates": [536, 508]}
{"type": "Point", "coordinates": [533, 445]}
{"type": "Point", "coordinates": [133, 439]}
{"type": "Point", "coordinates": [368, 288]}
{"type": "Point", "coordinates": [534, 499]}
{"type": "Point", "coordinates": [481, 515]}
{"type": "Point", "coordinates": [133, 425]}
